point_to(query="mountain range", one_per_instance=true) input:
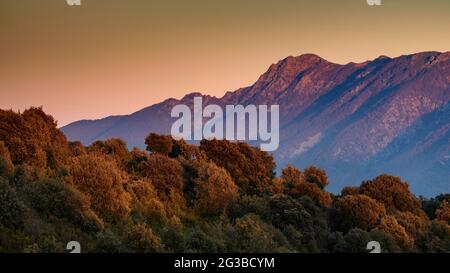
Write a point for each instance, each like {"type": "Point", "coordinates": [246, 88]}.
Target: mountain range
{"type": "Point", "coordinates": [357, 120]}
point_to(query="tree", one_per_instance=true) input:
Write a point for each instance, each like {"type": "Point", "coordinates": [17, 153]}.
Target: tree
{"type": "Point", "coordinates": [389, 225]}
{"type": "Point", "coordinates": [429, 206]}
{"type": "Point", "coordinates": [55, 198]}
{"type": "Point", "coordinates": [254, 236]}
{"type": "Point", "coordinates": [251, 169]}
{"type": "Point", "coordinates": [137, 156]}
{"type": "Point", "coordinates": [165, 173]}
{"type": "Point", "coordinates": [103, 182]}
{"type": "Point", "coordinates": [443, 213]}
{"type": "Point", "coordinates": [356, 211]}
{"type": "Point", "coordinates": [32, 137]}
{"type": "Point", "coordinates": [6, 165]}
{"type": "Point", "coordinates": [12, 208]}
{"type": "Point", "coordinates": [198, 240]}
{"type": "Point", "coordinates": [114, 147]}
{"type": "Point", "coordinates": [392, 192]}
{"type": "Point", "coordinates": [285, 211]}
{"type": "Point", "coordinates": [146, 201]}
{"type": "Point", "coordinates": [214, 190]}
{"type": "Point", "coordinates": [76, 148]}
{"type": "Point", "coordinates": [159, 144]}
{"type": "Point", "coordinates": [350, 191]}
{"type": "Point", "coordinates": [295, 184]}
{"type": "Point", "coordinates": [291, 178]}
{"type": "Point", "coordinates": [355, 241]}
{"type": "Point", "coordinates": [141, 239]}
{"type": "Point", "coordinates": [438, 239]}
{"type": "Point", "coordinates": [314, 192]}
{"type": "Point", "coordinates": [316, 176]}
{"type": "Point", "coordinates": [415, 225]}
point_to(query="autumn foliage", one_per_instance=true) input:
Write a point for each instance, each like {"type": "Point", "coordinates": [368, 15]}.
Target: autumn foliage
{"type": "Point", "coordinates": [358, 211]}
{"type": "Point", "coordinates": [219, 196]}
{"type": "Point", "coordinates": [103, 182]}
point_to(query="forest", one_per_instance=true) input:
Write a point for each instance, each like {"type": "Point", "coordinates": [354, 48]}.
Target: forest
{"type": "Point", "coordinates": [218, 196]}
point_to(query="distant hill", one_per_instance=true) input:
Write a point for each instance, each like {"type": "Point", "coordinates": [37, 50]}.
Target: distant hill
{"type": "Point", "coordinates": [355, 120]}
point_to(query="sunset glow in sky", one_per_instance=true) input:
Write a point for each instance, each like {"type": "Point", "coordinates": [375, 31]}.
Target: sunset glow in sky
{"type": "Point", "coordinates": [111, 57]}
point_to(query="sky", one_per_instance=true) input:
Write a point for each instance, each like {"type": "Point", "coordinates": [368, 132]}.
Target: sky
{"type": "Point", "coordinates": [110, 57]}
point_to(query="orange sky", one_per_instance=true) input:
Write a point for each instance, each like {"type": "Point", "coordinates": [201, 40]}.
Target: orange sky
{"type": "Point", "coordinates": [115, 56]}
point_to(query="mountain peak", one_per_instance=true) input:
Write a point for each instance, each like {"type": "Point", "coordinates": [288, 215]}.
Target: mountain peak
{"type": "Point", "coordinates": [192, 95]}
{"type": "Point", "coordinates": [291, 66]}
{"type": "Point", "coordinates": [305, 60]}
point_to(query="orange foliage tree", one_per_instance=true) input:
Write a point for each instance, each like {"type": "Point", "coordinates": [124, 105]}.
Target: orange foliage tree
{"type": "Point", "coordinates": [443, 213]}
{"type": "Point", "coordinates": [357, 211]}
{"type": "Point", "coordinates": [165, 173]}
{"type": "Point", "coordinates": [296, 185]}
{"type": "Point", "coordinates": [116, 148]}
{"type": "Point", "coordinates": [316, 176]}
{"type": "Point", "coordinates": [159, 144]}
{"type": "Point", "coordinates": [251, 169]}
{"type": "Point", "coordinates": [99, 177]}
{"type": "Point", "coordinates": [291, 178]}
{"type": "Point", "coordinates": [392, 192]}
{"type": "Point", "coordinates": [417, 226]}
{"type": "Point", "coordinates": [32, 137]}
{"type": "Point", "coordinates": [314, 192]}
{"type": "Point", "coordinates": [145, 199]}
{"type": "Point", "coordinates": [389, 225]}
{"type": "Point", "coordinates": [214, 189]}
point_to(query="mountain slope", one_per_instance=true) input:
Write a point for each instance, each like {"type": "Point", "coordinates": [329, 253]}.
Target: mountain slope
{"type": "Point", "coordinates": [356, 120]}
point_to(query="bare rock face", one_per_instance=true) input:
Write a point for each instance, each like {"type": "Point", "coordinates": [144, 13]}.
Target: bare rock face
{"type": "Point", "coordinates": [356, 120]}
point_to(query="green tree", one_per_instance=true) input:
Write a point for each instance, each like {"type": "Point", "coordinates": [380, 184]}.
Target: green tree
{"type": "Point", "coordinates": [141, 239]}
{"type": "Point", "coordinates": [6, 165]}
{"type": "Point", "coordinates": [12, 208]}
{"type": "Point", "coordinates": [55, 198]}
